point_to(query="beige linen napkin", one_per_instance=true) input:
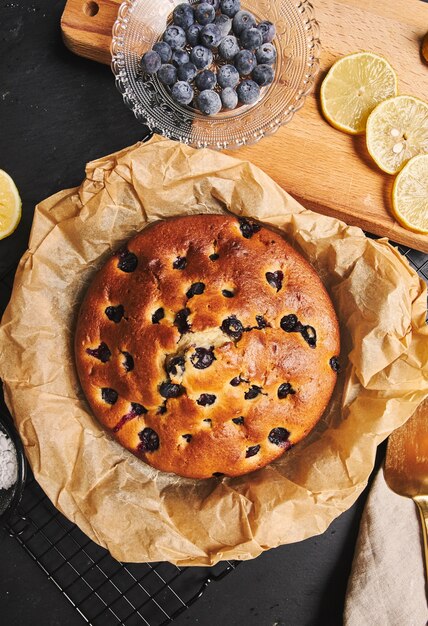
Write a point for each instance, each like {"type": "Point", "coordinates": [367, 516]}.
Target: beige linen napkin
{"type": "Point", "coordinates": [387, 582]}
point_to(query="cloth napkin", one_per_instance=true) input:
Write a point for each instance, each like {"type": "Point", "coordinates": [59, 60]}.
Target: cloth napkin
{"type": "Point", "coordinates": [387, 582]}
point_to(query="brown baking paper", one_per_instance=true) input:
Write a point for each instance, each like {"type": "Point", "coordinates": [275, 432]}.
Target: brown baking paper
{"type": "Point", "coordinates": [139, 513]}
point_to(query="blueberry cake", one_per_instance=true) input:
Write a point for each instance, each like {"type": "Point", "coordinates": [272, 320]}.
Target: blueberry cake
{"type": "Point", "coordinates": [207, 346]}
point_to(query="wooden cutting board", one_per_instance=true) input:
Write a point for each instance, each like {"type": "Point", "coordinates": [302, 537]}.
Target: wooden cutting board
{"type": "Point", "coordinates": [323, 168]}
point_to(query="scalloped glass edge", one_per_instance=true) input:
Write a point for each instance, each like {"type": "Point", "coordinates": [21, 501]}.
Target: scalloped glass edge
{"type": "Point", "coordinates": [314, 44]}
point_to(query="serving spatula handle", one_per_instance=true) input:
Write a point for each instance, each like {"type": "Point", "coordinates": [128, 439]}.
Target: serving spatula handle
{"type": "Point", "coordinates": [422, 504]}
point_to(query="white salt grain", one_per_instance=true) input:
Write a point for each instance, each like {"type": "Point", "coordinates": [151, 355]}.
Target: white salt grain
{"type": "Point", "coordinates": [8, 462]}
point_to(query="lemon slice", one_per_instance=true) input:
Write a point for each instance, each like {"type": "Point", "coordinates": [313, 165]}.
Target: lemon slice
{"type": "Point", "coordinates": [353, 87]}
{"type": "Point", "coordinates": [397, 130]}
{"type": "Point", "coordinates": [10, 205]}
{"type": "Point", "coordinates": [410, 194]}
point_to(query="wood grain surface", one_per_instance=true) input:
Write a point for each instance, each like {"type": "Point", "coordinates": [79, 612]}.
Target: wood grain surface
{"type": "Point", "coordinates": [325, 169]}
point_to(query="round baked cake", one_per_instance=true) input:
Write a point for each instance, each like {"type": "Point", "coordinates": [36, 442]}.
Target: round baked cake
{"type": "Point", "coordinates": [207, 346]}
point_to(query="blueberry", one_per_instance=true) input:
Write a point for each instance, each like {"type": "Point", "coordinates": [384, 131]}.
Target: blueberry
{"type": "Point", "coordinates": [138, 409]}
{"type": "Point", "coordinates": [150, 62]}
{"type": "Point", "coordinates": [163, 50]}
{"type": "Point", "coordinates": [149, 440]}
{"type": "Point", "coordinates": [109, 396]}
{"type": "Point", "coordinates": [172, 367]}
{"type": "Point", "coordinates": [334, 364]}
{"type": "Point", "coordinates": [238, 420]}
{"type": "Point", "coordinates": [210, 36]}
{"type": "Point", "coordinates": [243, 20]}
{"type": "Point", "coordinates": [251, 38]}
{"type": "Point", "coordinates": [285, 390]}
{"type": "Point", "coordinates": [209, 102]}
{"type": "Point", "coordinates": [167, 74]}
{"type": "Point", "coordinates": [179, 57]}
{"type": "Point", "coordinates": [266, 54]}
{"type": "Point", "coordinates": [214, 3]}
{"type": "Point", "coordinates": [170, 390]}
{"type": "Point", "coordinates": [267, 30]}
{"type": "Point", "coordinates": [232, 327]}
{"type": "Point", "coordinates": [102, 353]}
{"type": "Point", "coordinates": [224, 23]}
{"type": "Point", "coordinates": [128, 363]}
{"type": "Point", "coordinates": [183, 15]}
{"type": "Point", "coordinates": [180, 263]}
{"type": "Point", "coordinates": [252, 392]}
{"type": "Point", "coordinates": [202, 358]}
{"type": "Point", "coordinates": [248, 92]}
{"type": "Point", "coordinates": [289, 323]}
{"type": "Point", "coordinates": [187, 72]}
{"type": "Point", "coordinates": [115, 313]}
{"type": "Point", "coordinates": [230, 7]}
{"type": "Point", "coordinates": [195, 290]}
{"type": "Point", "coordinates": [251, 451]}
{"type": "Point", "coordinates": [127, 261]}
{"type": "Point", "coordinates": [158, 315]}
{"type": "Point", "coordinates": [201, 57]}
{"type": "Point", "coordinates": [206, 80]}
{"type": "Point", "coordinates": [310, 336]}
{"type": "Point", "coordinates": [275, 279]}
{"type": "Point", "coordinates": [175, 37]}
{"type": "Point", "coordinates": [206, 399]}
{"type": "Point", "coordinates": [162, 409]}
{"type": "Point", "coordinates": [187, 438]}
{"type": "Point", "coordinates": [279, 436]}
{"type": "Point", "coordinates": [235, 382]}
{"type": "Point", "coordinates": [228, 48]}
{"type": "Point", "coordinates": [263, 74]}
{"type": "Point", "coordinates": [181, 322]}
{"type": "Point", "coordinates": [227, 293]}
{"type": "Point", "coordinates": [205, 13]}
{"type": "Point", "coordinates": [228, 76]}
{"type": "Point", "coordinates": [182, 92]}
{"type": "Point", "coordinates": [261, 322]}
{"type": "Point", "coordinates": [229, 99]}
{"type": "Point", "coordinates": [247, 227]}
{"type": "Point", "coordinates": [192, 34]}
{"type": "Point", "coordinates": [214, 257]}
{"type": "Point", "coordinates": [245, 62]}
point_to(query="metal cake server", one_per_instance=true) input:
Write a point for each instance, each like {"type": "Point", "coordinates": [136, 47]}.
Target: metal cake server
{"type": "Point", "coordinates": [406, 466]}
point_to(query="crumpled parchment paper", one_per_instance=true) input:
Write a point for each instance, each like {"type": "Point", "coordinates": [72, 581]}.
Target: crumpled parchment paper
{"type": "Point", "coordinates": [136, 512]}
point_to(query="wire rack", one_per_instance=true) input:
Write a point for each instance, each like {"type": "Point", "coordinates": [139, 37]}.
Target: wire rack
{"type": "Point", "coordinates": [104, 591]}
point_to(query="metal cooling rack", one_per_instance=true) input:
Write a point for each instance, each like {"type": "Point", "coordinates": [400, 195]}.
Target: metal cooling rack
{"type": "Point", "coordinates": [104, 591]}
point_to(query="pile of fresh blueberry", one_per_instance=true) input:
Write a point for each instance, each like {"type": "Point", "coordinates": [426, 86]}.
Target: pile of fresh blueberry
{"type": "Point", "coordinates": [213, 55]}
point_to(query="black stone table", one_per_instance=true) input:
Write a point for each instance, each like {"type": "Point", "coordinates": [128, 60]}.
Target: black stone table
{"type": "Point", "coordinates": [57, 112]}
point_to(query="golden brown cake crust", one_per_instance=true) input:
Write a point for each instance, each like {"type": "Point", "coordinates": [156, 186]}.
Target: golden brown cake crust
{"type": "Point", "coordinates": [195, 346]}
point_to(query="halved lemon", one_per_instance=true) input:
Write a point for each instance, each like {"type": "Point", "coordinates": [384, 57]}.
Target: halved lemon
{"type": "Point", "coordinates": [410, 194]}
{"type": "Point", "coordinates": [10, 205]}
{"type": "Point", "coordinates": [353, 87]}
{"type": "Point", "coordinates": [397, 130]}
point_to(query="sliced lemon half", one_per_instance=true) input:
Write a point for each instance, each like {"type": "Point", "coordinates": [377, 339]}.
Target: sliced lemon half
{"type": "Point", "coordinates": [410, 194]}
{"type": "Point", "coordinates": [10, 205]}
{"type": "Point", "coordinates": [353, 87]}
{"type": "Point", "coordinates": [397, 130]}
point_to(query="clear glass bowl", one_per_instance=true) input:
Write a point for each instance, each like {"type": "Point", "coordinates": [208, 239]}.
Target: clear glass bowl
{"type": "Point", "coordinates": [140, 23]}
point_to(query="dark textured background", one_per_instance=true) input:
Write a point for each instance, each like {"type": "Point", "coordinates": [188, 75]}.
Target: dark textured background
{"type": "Point", "coordinates": [57, 112]}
